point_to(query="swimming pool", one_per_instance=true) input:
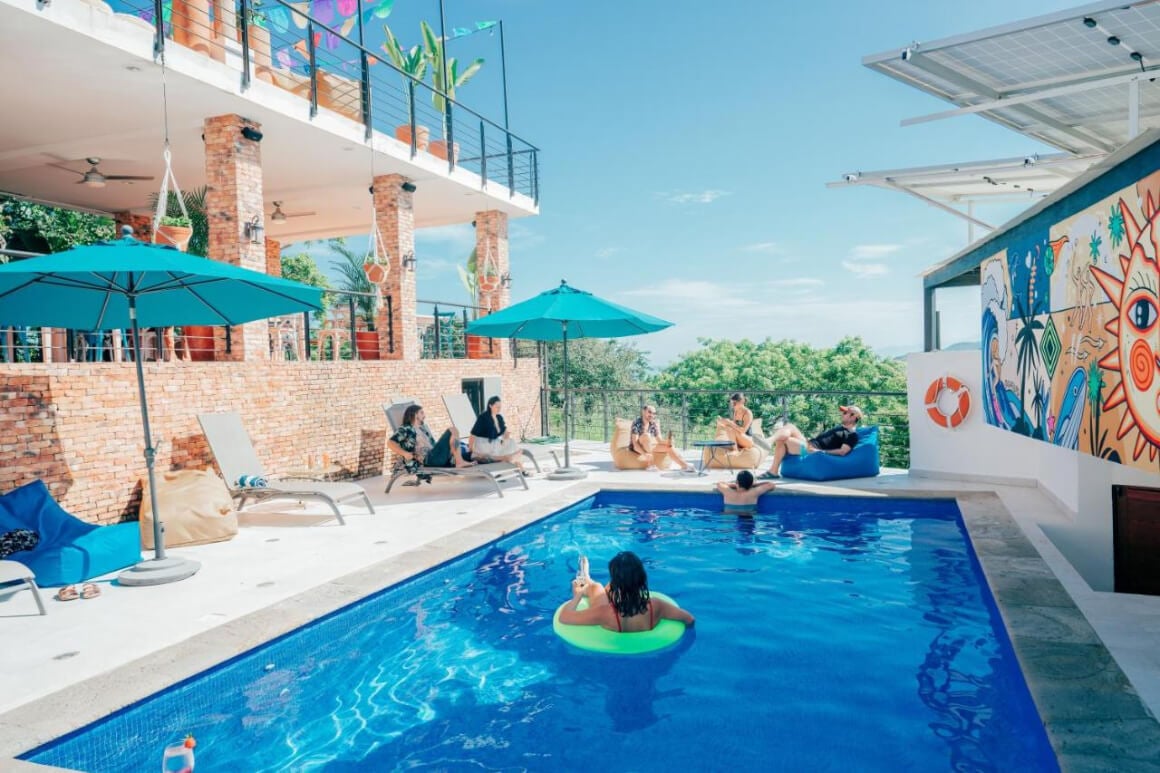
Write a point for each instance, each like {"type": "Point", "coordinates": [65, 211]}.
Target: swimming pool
{"type": "Point", "coordinates": [844, 633]}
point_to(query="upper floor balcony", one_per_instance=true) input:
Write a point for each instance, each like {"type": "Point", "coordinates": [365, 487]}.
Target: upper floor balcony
{"type": "Point", "coordinates": [81, 81]}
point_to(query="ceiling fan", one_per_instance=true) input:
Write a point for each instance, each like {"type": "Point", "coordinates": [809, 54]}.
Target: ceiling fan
{"type": "Point", "coordinates": [278, 216]}
{"type": "Point", "coordinates": [95, 178]}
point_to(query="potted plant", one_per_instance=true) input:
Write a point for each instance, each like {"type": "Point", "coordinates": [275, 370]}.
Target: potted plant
{"type": "Point", "coordinates": [445, 83]}
{"type": "Point", "coordinates": [412, 63]}
{"type": "Point", "coordinates": [176, 230]}
{"type": "Point", "coordinates": [353, 279]}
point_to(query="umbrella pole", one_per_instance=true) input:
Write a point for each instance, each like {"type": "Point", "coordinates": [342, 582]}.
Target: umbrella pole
{"type": "Point", "coordinates": [160, 569]}
{"type": "Point", "coordinates": [567, 472]}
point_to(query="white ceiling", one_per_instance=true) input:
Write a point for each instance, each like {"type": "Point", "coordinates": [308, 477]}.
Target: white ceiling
{"type": "Point", "coordinates": [79, 81]}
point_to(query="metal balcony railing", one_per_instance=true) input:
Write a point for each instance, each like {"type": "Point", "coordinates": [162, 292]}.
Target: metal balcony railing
{"type": "Point", "coordinates": [691, 413]}
{"type": "Point", "coordinates": [345, 77]}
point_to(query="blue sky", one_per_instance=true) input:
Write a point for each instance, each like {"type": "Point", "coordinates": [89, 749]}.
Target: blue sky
{"type": "Point", "coordinates": [685, 152]}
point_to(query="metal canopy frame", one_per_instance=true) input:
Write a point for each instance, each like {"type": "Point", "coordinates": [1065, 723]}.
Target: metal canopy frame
{"type": "Point", "coordinates": [1027, 178]}
{"type": "Point", "coordinates": [1081, 80]}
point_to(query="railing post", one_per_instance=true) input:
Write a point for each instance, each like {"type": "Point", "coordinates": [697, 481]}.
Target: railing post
{"type": "Point", "coordinates": [159, 29]}
{"type": "Point", "coordinates": [411, 112]}
{"type": "Point", "coordinates": [604, 400]}
{"type": "Point", "coordinates": [438, 341]}
{"type": "Point", "coordinates": [450, 136]}
{"type": "Point", "coordinates": [465, 333]}
{"type": "Point", "coordinates": [353, 330]}
{"type": "Point", "coordinates": [511, 167]}
{"type": "Point", "coordinates": [306, 334]}
{"type": "Point", "coordinates": [482, 155]}
{"type": "Point", "coordinates": [684, 419]}
{"type": "Point", "coordinates": [312, 55]}
{"type": "Point", "coordinates": [246, 13]}
{"type": "Point", "coordinates": [390, 325]}
{"type": "Point", "coordinates": [365, 89]}
{"type": "Point", "coordinates": [535, 178]}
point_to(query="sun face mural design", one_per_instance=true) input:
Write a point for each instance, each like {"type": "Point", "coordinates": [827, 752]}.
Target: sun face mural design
{"type": "Point", "coordinates": [1135, 359]}
{"type": "Point", "coordinates": [1071, 329]}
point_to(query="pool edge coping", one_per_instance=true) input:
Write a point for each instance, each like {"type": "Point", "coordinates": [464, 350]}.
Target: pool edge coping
{"type": "Point", "coordinates": [1090, 711]}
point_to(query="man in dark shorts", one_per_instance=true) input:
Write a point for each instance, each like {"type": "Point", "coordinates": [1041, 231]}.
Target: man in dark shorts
{"type": "Point", "coordinates": [836, 441]}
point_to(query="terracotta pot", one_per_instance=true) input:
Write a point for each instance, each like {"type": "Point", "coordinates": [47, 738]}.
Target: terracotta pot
{"type": "Point", "coordinates": [199, 340]}
{"type": "Point", "coordinates": [439, 149]}
{"type": "Point", "coordinates": [175, 235]}
{"type": "Point", "coordinates": [376, 272]}
{"type": "Point", "coordinates": [367, 342]}
{"type": "Point", "coordinates": [422, 135]}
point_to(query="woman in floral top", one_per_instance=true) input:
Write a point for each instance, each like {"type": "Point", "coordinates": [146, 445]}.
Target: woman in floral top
{"type": "Point", "coordinates": [413, 446]}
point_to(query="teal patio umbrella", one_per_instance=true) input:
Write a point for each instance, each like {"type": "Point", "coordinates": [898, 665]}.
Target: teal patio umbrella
{"type": "Point", "coordinates": [557, 315]}
{"type": "Point", "coordinates": [129, 284]}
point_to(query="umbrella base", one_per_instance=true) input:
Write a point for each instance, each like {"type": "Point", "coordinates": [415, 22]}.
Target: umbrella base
{"type": "Point", "coordinates": [158, 572]}
{"type": "Point", "coordinates": [568, 473]}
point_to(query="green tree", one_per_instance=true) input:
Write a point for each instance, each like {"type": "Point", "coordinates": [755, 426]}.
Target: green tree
{"type": "Point", "coordinates": [597, 363]}
{"type": "Point", "coordinates": [302, 268]}
{"type": "Point", "coordinates": [38, 228]}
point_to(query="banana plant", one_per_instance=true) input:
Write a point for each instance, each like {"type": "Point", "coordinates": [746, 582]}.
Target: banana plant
{"type": "Point", "coordinates": [413, 62]}
{"type": "Point", "coordinates": [468, 277]}
{"type": "Point", "coordinates": [445, 82]}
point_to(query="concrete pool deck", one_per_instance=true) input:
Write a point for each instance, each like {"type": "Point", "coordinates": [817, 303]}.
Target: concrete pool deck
{"type": "Point", "coordinates": [285, 568]}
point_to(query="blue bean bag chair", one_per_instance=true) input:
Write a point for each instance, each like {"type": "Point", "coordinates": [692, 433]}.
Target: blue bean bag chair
{"type": "Point", "coordinates": [861, 462]}
{"type": "Point", "coordinates": [70, 550]}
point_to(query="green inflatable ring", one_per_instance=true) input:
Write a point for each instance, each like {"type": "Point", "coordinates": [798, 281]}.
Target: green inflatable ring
{"type": "Point", "coordinates": [597, 638]}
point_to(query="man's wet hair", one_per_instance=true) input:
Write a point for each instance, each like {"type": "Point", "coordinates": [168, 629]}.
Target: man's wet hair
{"type": "Point", "coordinates": [745, 480]}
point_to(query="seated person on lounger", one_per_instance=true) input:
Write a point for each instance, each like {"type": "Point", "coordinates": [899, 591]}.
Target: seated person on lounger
{"type": "Point", "coordinates": [624, 604]}
{"type": "Point", "coordinates": [491, 440]}
{"type": "Point", "coordinates": [414, 447]}
{"type": "Point", "coordinates": [737, 426]}
{"type": "Point", "coordinates": [836, 441]}
{"type": "Point", "coordinates": [741, 495]}
{"type": "Point", "coordinates": [646, 440]}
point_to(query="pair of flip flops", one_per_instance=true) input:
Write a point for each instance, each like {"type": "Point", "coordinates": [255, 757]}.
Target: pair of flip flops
{"type": "Point", "coordinates": [89, 590]}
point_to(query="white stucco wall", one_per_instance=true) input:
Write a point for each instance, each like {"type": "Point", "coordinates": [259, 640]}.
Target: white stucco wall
{"type": "Point", "coordinates": [1080, 483]}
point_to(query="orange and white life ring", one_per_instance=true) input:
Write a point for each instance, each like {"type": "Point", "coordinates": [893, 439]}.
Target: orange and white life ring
{"type": "Point", "coordinates": [962, 398]}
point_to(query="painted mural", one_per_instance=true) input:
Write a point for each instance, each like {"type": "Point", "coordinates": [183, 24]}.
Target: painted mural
{"type": "Point", "coordinates": [1071, 342]}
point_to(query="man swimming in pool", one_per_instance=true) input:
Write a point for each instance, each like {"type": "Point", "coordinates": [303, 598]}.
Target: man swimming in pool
{"type": "Point", "coordinates": [624, 604]}
{"type": "Point", "coordinates": [741, 495]}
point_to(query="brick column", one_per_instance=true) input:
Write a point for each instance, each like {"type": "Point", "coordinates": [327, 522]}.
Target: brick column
{"type": "Point", "coordinates": [233, 166]}
{"type": "Point", "coordinates": [395, 216]}
{"type": "Point", "coordinates": [491, 263]}
{"type": "Point", "coordinates": [273, 257]}
{"type": "Point", "coordinates": [142, 225]}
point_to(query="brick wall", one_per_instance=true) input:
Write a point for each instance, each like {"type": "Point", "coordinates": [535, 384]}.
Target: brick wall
{"type": "Point", "coordinates": [78, 426]}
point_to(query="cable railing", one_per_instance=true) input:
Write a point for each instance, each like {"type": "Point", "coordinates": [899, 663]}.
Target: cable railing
{"type": "Point", "coordinates": [343, 76]}
{"type": "Point", "coordinates": [691, 413]}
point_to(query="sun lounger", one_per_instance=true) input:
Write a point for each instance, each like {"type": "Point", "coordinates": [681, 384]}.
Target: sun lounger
{"type": "Point", "coordinates": [234, 452]}
{"type": "Point", "coordinates": [462, 415]}
{"type": "Point", "coordinates": [496, 472]}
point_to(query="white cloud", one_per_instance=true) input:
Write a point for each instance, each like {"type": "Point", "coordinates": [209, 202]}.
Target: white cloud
{"type": "Point", "coordinates": [799, 282]}
{"type": "Point", "coordinates": [459, 237]}
{"type": "Point", "coordinates": [865, 270]}
{"type": "Point", "coordinates": [768, 248]}
{"type": "Point", "coordinates": [608, 252]}
{"type": "Point", "coordinates": [693, 197]}
{"type": "Point", "coordinates": [873, 251]}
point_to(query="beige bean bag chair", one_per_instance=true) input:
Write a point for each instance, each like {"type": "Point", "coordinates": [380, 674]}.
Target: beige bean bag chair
{"type": "Point", "coordinates": [744, 459]}
{"type": "Point", "coordinates": [196, 508]}
{"type": "Point", "coordinates": [623, 459]}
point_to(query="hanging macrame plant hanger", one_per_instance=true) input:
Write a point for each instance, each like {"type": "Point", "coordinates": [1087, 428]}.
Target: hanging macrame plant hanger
{"type": "Point", "coordinates": [167, 178]}
{"type": "Point", "coordinates": [377, 263]}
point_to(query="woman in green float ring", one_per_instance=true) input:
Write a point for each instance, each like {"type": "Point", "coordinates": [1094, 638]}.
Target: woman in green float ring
{"type": "Point", "coordinates": [624, 605]}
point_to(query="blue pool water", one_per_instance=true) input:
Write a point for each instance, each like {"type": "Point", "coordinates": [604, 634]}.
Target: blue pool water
{"type": "Point", "coordinates": [832, 634]}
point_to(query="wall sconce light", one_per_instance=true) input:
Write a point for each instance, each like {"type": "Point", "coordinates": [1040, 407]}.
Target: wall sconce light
{"type": "Point", "coordinates": [505, 280]}
{"type": "Point", "coordinates": [252, 134]}
{"type": "Point", "coordinates": [254, 231]}
{"type": "Point", "coordinates": [409, 187]}
{"type": "Point", "coordinates": [409, 261]}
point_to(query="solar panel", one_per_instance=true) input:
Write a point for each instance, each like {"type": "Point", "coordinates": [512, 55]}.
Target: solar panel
{"type": "Point", "coordinates": [1068, 82]}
